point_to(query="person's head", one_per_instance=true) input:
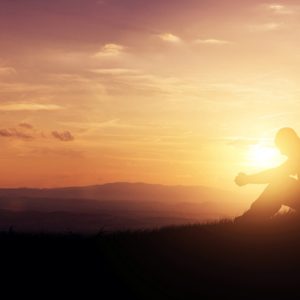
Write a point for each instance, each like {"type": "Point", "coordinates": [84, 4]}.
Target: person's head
{"type": "Point", "coordinates": [287, 141]}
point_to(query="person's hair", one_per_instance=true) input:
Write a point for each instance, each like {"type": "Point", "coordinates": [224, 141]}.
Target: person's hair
{"type": "Point", "coordinates": [286, 135]}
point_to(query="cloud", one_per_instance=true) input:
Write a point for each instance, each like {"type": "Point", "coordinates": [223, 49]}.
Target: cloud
{"type": "Point", "coordinates": [64, 136]}
{"type": "Point", "coordinates": [279, 9]}
{"type": "Point", "coordinates": [14, 133]}
{"type": "Point", "coordinates": [110, 50]}
{"type": "Point", "coordinates": [169, 37]}
{"type": "Point", "coordinates": [29, 107]}
{"type": "Point", "coordinates": [7, 71]}
{"type": "Point", "coordinates": [19, 87]}
{"type": "Point", "coordinates": [115, 71]}
{"type": "Point", "coordinates": [26, 131]}
{"type": "Point", "coordinates": [212, 42]}
{"type": "Point", "coordinates": [114, 123]}
{"type": "Point", "coordinates": [45, 151]}
{"type": "Point", "coordinates": [272, 26]}
{"type": "Point", "coordinates": [25, 125]}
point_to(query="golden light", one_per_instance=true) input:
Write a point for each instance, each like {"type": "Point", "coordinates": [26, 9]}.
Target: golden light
{"type": "Point", "coordinates": [261, 156]}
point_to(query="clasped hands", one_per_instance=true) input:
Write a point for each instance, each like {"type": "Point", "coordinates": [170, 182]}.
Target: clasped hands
{"type": "Point", "coordinates": [242, 179]}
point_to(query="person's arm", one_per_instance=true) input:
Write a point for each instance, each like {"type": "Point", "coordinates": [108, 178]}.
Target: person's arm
{"type": "Point", "coordinates": [266, 176]}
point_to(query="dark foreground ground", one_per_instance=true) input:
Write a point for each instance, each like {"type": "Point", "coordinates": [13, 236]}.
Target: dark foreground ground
{"type": "Point", "coordinates": [214, 261]}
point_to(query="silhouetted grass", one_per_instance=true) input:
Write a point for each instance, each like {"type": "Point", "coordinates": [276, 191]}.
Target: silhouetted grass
{"type": "Point", "coordinates": [204, 261]}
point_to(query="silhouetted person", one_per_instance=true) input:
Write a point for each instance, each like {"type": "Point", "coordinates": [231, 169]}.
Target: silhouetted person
{"type": "Point", "coordinates": [282, 189]}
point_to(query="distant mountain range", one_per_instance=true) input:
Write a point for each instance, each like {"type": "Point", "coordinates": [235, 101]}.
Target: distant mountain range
{"type": "Point", "coordinates": [112, 206]}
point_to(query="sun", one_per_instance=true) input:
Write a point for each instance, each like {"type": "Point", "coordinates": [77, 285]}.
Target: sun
{"type": "Point", "coordinates": [261, 156]}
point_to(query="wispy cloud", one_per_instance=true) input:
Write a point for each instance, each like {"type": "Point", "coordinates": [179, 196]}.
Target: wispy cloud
{"type": "Point", "coordinates": [29, 107]}
{"type": "Point", "coordinates": [27, 131]}
{"type": "Point", "coordinates": [110, 50]}
{"type": "Point", "coordinates": [14, 133]}
{"type": "Point", "coordinates": [113, 123]}
{"type": "Point", "coordinates": [279, 9]}
{"type": "Point", "coordinates": [7, 71]}
{"type": "Point", "coordinates": [50, 151]}
{"type": "Point", "coordinates": [22, 87]}
{"type": "Point", "coordinates": [25, 125]}
{"type": "Point", "coordinates": [212, 42]}
{"type": "Point", "coordinates": [169, 37]}
{"type": "Point", "coordinates": [265, 27]}
{"type": "Point", "coordinates": [115, 71]}
{"type": "Point", "coordinates": [64, 136]}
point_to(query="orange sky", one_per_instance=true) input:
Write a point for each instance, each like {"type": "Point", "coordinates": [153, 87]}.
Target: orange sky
{"type": "Point", "coordinates": [172, 92]}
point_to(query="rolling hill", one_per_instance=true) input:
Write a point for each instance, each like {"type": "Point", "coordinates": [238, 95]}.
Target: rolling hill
{"type": "Point", "coordinates": [113, 206]}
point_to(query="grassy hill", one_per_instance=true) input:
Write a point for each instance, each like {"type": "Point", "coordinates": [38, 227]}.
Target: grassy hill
{"type": "Point", "coordinates": [208, 261]}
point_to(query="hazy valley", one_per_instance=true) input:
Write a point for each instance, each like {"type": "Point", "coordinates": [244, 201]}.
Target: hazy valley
{"type": "Point", "coordinates": [112, 206]}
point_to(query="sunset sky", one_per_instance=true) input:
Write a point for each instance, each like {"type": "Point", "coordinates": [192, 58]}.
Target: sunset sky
{"type": "Point", "coordinates": [170, 92]}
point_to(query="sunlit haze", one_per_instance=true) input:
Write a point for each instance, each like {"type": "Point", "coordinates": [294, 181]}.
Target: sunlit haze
{"type": "Point", "coordinates": [263, 157]}
{"type": "Point", "coordinates": [171, 92]}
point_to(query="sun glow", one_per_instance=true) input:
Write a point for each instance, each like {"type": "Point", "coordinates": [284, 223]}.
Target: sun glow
{"type": "Point", "coordinates": [261, 156]}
